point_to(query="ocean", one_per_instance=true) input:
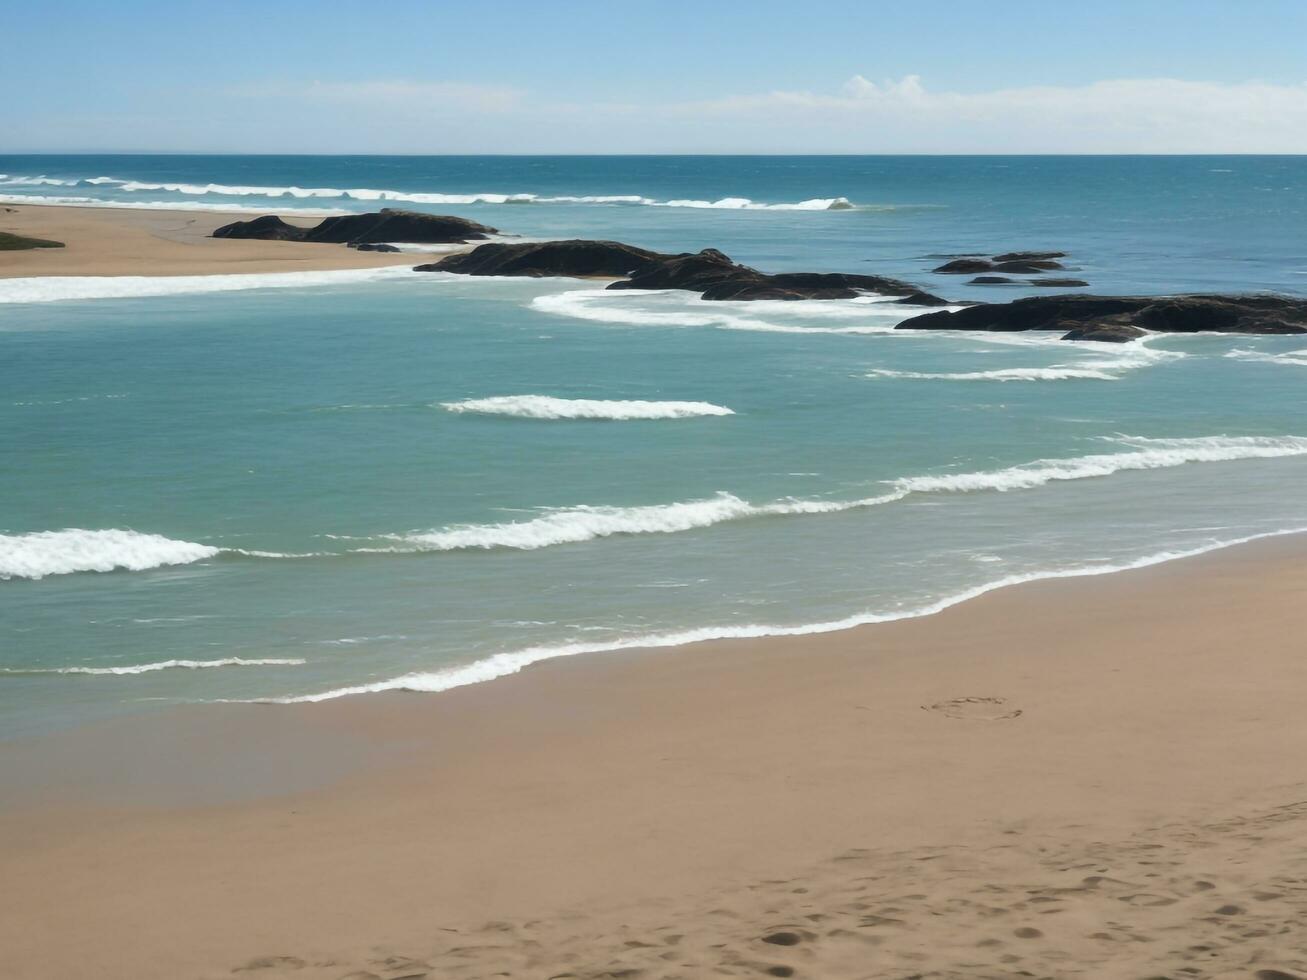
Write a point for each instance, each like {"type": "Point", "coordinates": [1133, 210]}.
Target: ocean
{"type": "Point", "coordinates": [300, 486]}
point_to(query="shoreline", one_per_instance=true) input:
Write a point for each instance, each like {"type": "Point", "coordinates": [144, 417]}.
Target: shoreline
{"type": "Point", "coordinates": [515, 661]}
{"type": "Point", "coordinates": [1051, 718]}
{"type": "Point", "coordinates": [162, 243]}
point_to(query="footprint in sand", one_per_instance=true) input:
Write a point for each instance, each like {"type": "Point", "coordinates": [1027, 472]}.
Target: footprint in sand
{"type": "Point", "coordinates": [975, 709]}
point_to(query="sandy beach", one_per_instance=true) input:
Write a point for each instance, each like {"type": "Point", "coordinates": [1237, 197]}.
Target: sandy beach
{"type": "Point", "coordinates": [1097, 777]}
{"type": "Point", "coordinates": [130, 242]}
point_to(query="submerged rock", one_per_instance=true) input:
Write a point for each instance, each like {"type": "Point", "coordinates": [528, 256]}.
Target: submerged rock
{"type": "Point", "coordinates": [1013, 262]}
{"type": "Point", "coordinates": [964, 266]}
{"type": "Point", "coordinates": [1079, 314]}
{"type": "Point", "coordinates": [1063, 283]}
{"type": "Point", "coordinates": [1028, 256]}
{"type": "Point", "coordinates": [992, 281]}
{"type": "Point", "coordinates": [1110, 333]}
{"type": "Point", "coordinates": [709, 272]}
{"type": "Point", "coordinates": [386, 225]}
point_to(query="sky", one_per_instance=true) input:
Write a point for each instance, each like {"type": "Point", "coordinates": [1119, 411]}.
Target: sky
{"type": "Point", "coordinates": [661, 76]}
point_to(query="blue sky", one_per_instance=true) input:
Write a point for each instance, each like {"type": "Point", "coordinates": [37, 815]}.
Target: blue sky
{"type": "Point", "coordinates": [669, 76]}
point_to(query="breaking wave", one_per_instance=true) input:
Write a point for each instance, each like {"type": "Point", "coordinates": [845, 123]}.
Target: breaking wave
{"type": "Point", "coordinates": [573, 525]}
{"type": "Point", "coordinates": [40, 553]}
{"type": "Point", "coordinates": [545, 407]}
{"type": "Point", "coordinates": [43, 553]}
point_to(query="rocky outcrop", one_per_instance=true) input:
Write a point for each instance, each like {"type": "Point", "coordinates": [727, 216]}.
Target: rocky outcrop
{"type": "Point", "coordinates": [1081, 315]}
{"type": "Point", "coordinates": [1059, 283]}
{"type": "Point", "coordinates": [712, 274]}
{"type": "Point", "coordinates": [386, 225]}
{"type": "Point", "coordinates": [567, 258]}
{"type": "Point", "coordinates": [267, 228]}
{"type": "Point", "coordinates": [992, 281]}
{"type": "Point", "coordinates": [377, 247]}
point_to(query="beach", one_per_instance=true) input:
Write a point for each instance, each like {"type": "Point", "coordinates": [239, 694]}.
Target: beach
{"type": "Point", "coordinates": [162, 242]}
{"type": "Point", "coordinates": [1097, 776]}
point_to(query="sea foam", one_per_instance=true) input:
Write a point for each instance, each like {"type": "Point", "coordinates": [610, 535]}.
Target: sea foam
{"type": "Point", "coordinates": [546, 407]}
{"type": "Point", "coordinates": [1129, 357]}
{"type": "Point", "coordinates": [43, 553]}
{"type": "Point", "coordinates": [50, 289]}
{"type": "Point", "coordinates": [677, 308]}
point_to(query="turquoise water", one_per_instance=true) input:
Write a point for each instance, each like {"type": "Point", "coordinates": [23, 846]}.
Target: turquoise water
{"type": "Point", "coordinates": [274, 476]}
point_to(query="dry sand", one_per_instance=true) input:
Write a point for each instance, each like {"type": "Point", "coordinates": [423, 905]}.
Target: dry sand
{"type": "Point", "coordinates": [128, 242]}
{"type": "Point", "coordinates": [1099, 777]}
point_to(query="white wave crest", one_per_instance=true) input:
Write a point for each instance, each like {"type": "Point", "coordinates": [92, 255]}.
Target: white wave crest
{"type": "Point", "coordinates": [1151, 454]}
{"type": "Point", "coordinates": [161, 665]}
{"type": "Point", "coordinates": [545, 407]}
{"type": "Point", "coordinates": [49, 289]}
{"type": "Point", "coordinates": [574, 525]}
{"type": "Point", "coordinates": [421, 197]}
{"type": "Point", "coordinates": [511, 662]}
{"type": "Point", "coordinates": [41, 553]}
{"type": "Point", "coordinates": [676, 308]}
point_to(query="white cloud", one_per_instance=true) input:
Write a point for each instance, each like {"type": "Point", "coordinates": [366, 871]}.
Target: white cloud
{"type": "Point", "coordinates": [1122, 115]}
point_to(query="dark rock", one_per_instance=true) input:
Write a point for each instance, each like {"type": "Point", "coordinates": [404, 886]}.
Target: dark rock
{"type": "Point", "coordinates": [1169, 314]}
{"type": "Point", "coordinates": [1108, 333]}
{"type": "Point", "coordinates": [992, 281]}
{"type": "Point", "coordinates": [394, 225]}
{"type": "Point", "coordinates": [567, 258]}
{"type": "Point", "coordinates": [267, 227]}
{"type": "Point", "coordinates": [1063, 283]}
{"type": "Point", "coordinates": [695, 271]}
{"type": "Point", "coordinates": [1028, 256]}
{"type": "Point", "coordinates": [20, 243]}
{"type": "Point", "coordinates": [386, 225]}
{"type": "Point", "coordinates": [964, 266]}
{"type": "Point", "coordinates": [1027, 266]}
{"type": "Point", "coordinates": [378, 247]}
{"type": "Point", "coordinates": [918, 298]}
{"type": "Point", "coordinates": [708, 272]}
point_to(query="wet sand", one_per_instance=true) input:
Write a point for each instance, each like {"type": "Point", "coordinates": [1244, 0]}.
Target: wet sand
{"type": "Point", "coordinates": [129, 242]}
{"type": "Point", "coordinates": [1095, 777]}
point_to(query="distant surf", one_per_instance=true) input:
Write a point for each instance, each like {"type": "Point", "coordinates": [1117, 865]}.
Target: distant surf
{"type": "Point", "coordinates": [546, 407]}
{"type": "Point", "coordinates": [370, 194]}
{"type": "Point", "coordinates": [131, 669]}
